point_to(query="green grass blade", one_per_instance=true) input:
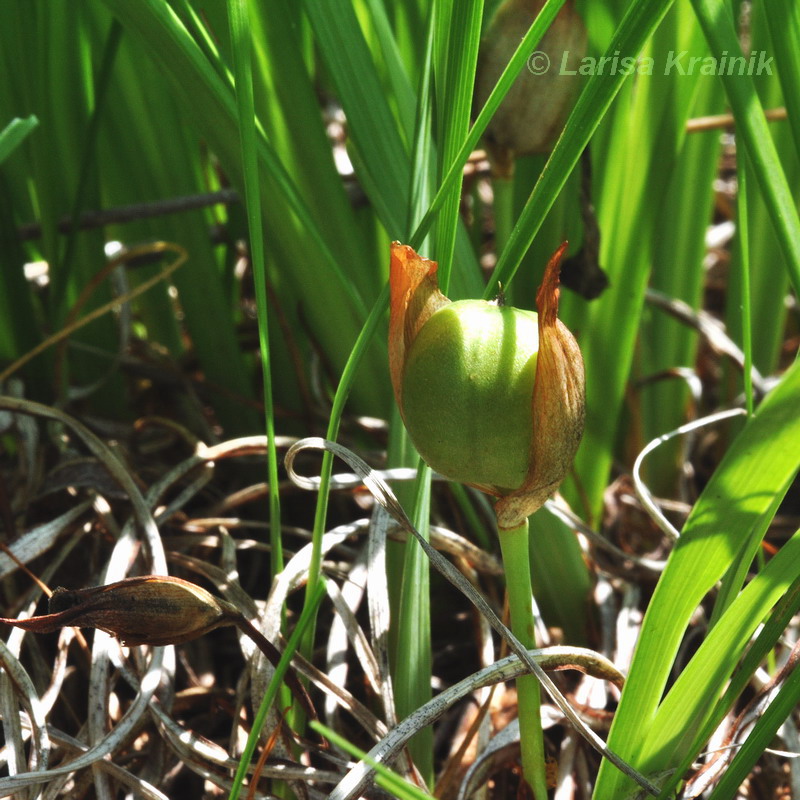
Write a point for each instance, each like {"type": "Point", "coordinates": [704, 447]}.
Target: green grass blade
{"type": "Point", "coordinates": [678, 238]}
{"type": "Point", "coordinates": [769, 283]}
{"type": "Point", "coordinates": [694, 695]}
{"type": "Point", "coordinates": [760, 738]}
{"type": "Point", "coordinates": [385, 778]}
{"type": "Point", "coordinates": [294, 233]}
{"type": "Point", "coordinates": [783, 20]}
{"type": "Point", "coordinates": [144, 127]}
{"type": "Point", "coordinates": [14, 134]}
{"type": "Point", "coordinates": [414, 660]}
{"type": "Point", "coordinates": [752, 129]}
{"type": "Point", "coordinates": [458, 37]}
{"type": "Point", "coordinates": [771, 632]}
{"type": "Point", "coordinates": [240, 39]}
{"type": "Point", "coordinates": [306, 618]}
{"type": "Point", "coordinates": [382, 153]}
{"type": "Point", "coordinates": [742, 495]}
{"type": "Point", "coordinates": [504, 83]}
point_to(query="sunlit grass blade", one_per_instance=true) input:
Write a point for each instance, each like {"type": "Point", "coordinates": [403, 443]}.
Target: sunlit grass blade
{"type": "Point", "coordinates": [386, 779]}
{"type": "Point", "coordinates": [240, 39]}
{"type": "Point", "coordinates": [294, 234]}
{"type": "Point", "coordinates": [742, 494]}
{"type": "Point", "coordinates": [760, 738]}
{"type": "Point", "coordinates": [770, 282]}
{"type": "Point", "coordinates": [456, 54]}
{"type": "Point", "coordinates": [752, 130]}
{"type": "Point", "coordinates": [14, 134]}
{"type": "Point", "coordinates": [678, 249]}
{"type": "Point", "coordinates": [382, 153]}
{"type": "Point", "coordinates": [783, 20]}
{"type": "Point", "coordinates": [770, 633]}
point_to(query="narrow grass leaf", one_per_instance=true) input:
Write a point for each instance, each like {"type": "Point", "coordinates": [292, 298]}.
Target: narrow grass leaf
{"type": "Point", "coordinates": [240, 38]}
{"type": "Point", "coordinates": [769, 283]}
{"type": "Point", "coordinates": [458, 38]}
{"type": "Point", "coordinates": [769, 634]}
{"type": "Point", "coordinates": [504, 83]}
{"type": "Point", "coordinates": [306, 619]}
{"type": "Point", "coordinates": [14, 134]}
{"type": "Point", "coordinates": [751, 126]}
{"type": "Point", "coordinates": [386, 778]}
{"type": "Point", "coordinates": [756, 471]}
{"type": "Point", "coordinates": [783, 20]}
{"type": "Point", "coordinates": [694, 695]}
{"type": "Point", "coordinates": [760, 738]}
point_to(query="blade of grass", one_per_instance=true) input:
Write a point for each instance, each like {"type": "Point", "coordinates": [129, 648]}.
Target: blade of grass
{"type": "Point", "coordinates": [515, 64]}
{"type": "Point", "coordinates": [386, 779]}
{"type": "Point", "coordinates": [306, 617]}
{"type": "Point", "coordinates": [751, 126]}
{"type": "Point", "coordinates": [294, 233]}
{"type": "Point", "coordinates": [770, 633]}
{"type": "Point", "coordinates": [15, 133]}
{"type": "Point", "coordinates": [693, 698]}
{"type": "Point", "coordinates": [150, 153]}
{"type": "Point", "coordinates": [678, 248]}
{"type": "Point", "coordinates": [16, 309]}
{"type": "Point", "coordinates": [743, 229]}
{"type": "Point", "coordinates": [374, 131]}
{"type": "Point", "coordinates": [456, 56]}
{"type": "Point", "coordinates": [240, 39]}
{"type": "Point", "coordinates": [379, 150]}
{"type": "Point", "coordinates": [770, 282]}
{"type": "Point", "coordinates": [743, 492]}
{"type": "Point", "coordinates": [759, 739]}
{"type": "Point", "coordinates": [783, 20]}
{"type": "Point", "coordinates": [64, 87]}
{"type": "Point", "coordinates": [406, 567]}
{"type": "Point", "coordinates": [414, 659]}
{"type": "Point", "coordinates": [423, 158]}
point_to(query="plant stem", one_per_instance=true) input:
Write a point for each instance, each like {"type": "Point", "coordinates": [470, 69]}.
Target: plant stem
{"type": "Point", "coordinates": [514, 545]}
{"type": "Point", "coordinates": [503, 189]}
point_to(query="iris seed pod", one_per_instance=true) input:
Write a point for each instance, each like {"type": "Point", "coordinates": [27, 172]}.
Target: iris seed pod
{"type": "Point", "coordinates": [152, 609]}
{"type": "Point", "coordinates": [534, 111]}
{"type": "Point", "coordinates": [491, 396]}
{"type": "Point", "coordinates": [155, 610]}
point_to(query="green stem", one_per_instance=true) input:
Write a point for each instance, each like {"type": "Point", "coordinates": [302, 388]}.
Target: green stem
{"type": "Point", "coordinates": [503, 189]}
{"type": "Point", "coordinates": [514, 545]}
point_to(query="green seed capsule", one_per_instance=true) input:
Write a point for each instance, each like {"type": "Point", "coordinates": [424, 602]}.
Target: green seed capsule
{"type": "Point", "coordinates": [491, 396]}
{"type": "Point", "coordinates": [468, 389]}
